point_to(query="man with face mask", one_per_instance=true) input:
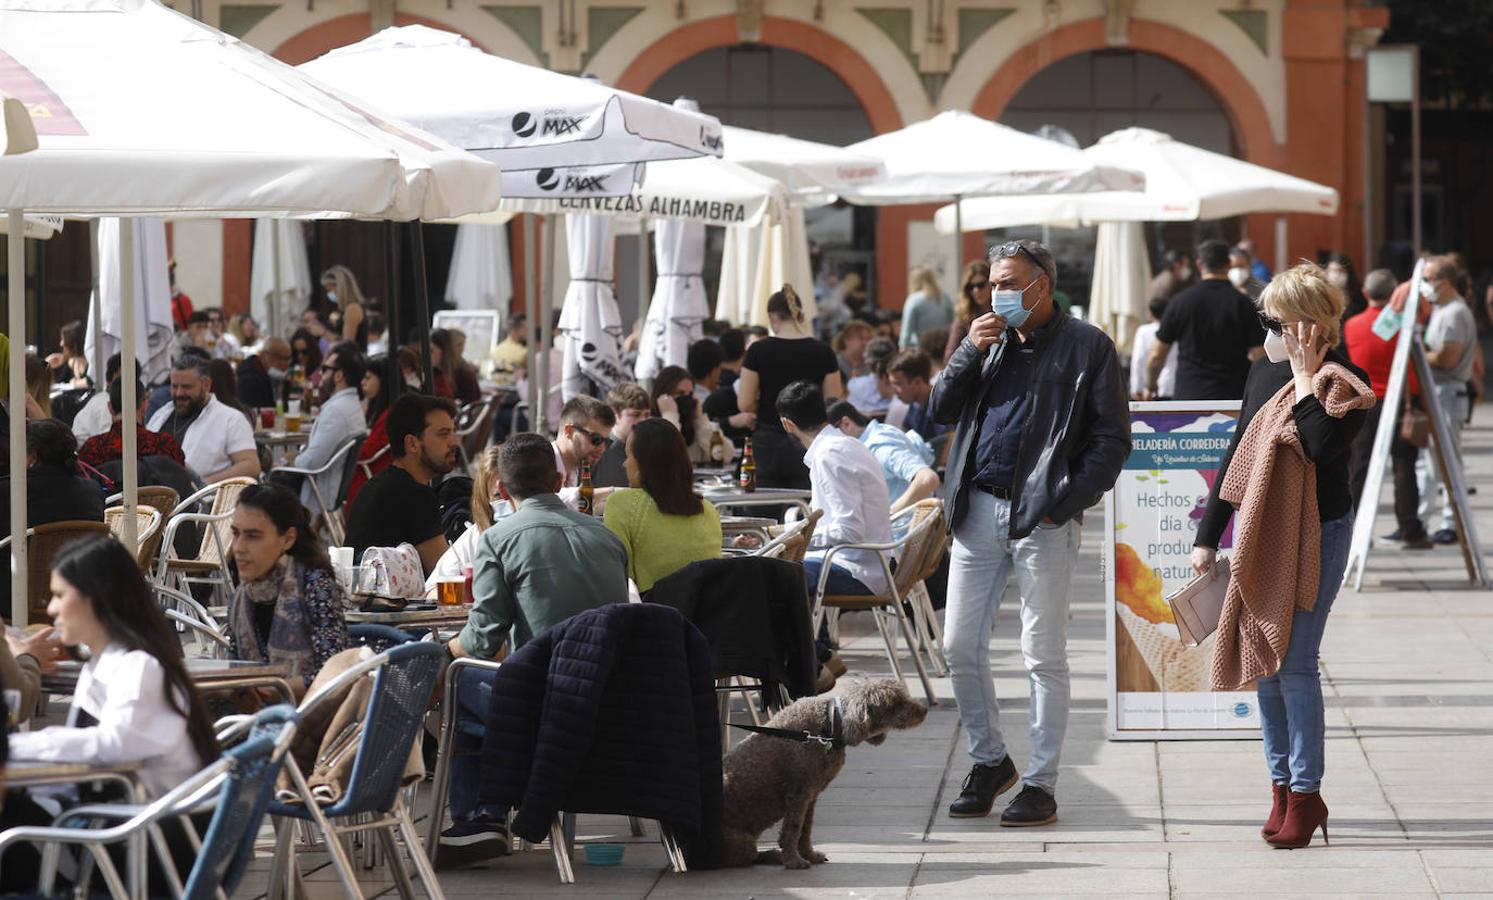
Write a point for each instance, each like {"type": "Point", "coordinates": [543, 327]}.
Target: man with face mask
{"type": "Point", "coordinates": [1217, 332]}
{"type": "Point", "coordinates": [1174, 277]}
{"type": "Point", "coordinates": [1044, 429]}
{"type": "Point", "coordinates": [216, 439]}
{"type": "Point", "coordinates": [1451, 349]}
{"type": "Point", "coordinates": [1242, 274]}
{"type": "Point", "coordinates": [261, 377]}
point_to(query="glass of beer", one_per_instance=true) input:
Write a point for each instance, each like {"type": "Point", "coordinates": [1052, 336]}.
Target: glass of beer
{"type": "Point", "coordinates": [293, 416]}
{"type": "Point", "coordinates": [450, 591]}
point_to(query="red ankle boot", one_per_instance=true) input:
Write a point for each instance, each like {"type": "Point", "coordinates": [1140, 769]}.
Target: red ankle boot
{"type": "Point", "coordinates": [1277, 811]}
{"type": "Point", "coordinates": [1305, 813]}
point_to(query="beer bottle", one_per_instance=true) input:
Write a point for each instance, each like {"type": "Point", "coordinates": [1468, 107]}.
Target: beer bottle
{"type": "Point", "coordinates": [748, 468]}
{"type": "Point", "coordinates": [587, 503]}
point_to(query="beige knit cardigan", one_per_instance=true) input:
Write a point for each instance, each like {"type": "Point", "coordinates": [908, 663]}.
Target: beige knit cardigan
{"type": "Point", "coordinates": [1275, 567]}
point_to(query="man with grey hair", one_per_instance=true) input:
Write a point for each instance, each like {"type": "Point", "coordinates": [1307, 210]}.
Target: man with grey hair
{"type": "Point", "coordinates": [1375, 356]}
{"type": "Point", "coordinates": [1043, 431]}
{"type": "Point", "coordinates": [217, 439]}
{"type": "Point", "coordinates": [1451, 349]}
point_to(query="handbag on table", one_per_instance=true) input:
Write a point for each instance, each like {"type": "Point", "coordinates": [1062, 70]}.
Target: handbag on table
{"type": "Point", "coordinates": [1197, 604]}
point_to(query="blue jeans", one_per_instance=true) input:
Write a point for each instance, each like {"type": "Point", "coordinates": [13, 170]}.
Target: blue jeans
{"type": "Point", "coordinates": [840, 580]}
{"type": "Point", "coordinates": [1291, 714]}
{"type": "Point", "coordinates": [980, 561]}
{"type": "Point", "coordinates": [473, 696]}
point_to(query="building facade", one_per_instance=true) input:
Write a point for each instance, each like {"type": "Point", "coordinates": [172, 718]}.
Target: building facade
{"type": "Point", "coordinates": [1277, 82]}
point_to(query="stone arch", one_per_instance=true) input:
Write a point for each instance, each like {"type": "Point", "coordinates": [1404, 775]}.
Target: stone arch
{"type": "Point", "coordinates": [312, 42]}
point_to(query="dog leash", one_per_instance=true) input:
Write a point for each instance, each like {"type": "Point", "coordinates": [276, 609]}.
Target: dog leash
{"type": "Point", "coordinates": [833, 741]}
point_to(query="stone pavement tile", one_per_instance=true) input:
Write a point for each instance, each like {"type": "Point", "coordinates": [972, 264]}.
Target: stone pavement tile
{"type": "Point", "coordinates": [1050, 874]}
{"type": "Point", "coordinates": [858, 875]}
{"type": "Point", "coordinates": [1462, 822]}
{"type": "Point", "coordinates": [1463, 879]}
{"type": "Point", "coordinates": [1325, 877]}
{"type": "Point", "coordinates": [1108, 824]}
{"type": "Point", "coordinates": [1349, 823]}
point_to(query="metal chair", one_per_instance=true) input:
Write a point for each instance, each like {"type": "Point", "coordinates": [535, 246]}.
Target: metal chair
{"type": "Point", "coordinates": [912, 546]}
{"type": "Point", "coordinates": [210, 638]}
{"type": "Point", "coordinates": [474, 424]}
{"type": "Point", "coordinates": [211, 564]}
{"type": "Point", "coordinates": [404, 678]}
{"type": "Point", "coordinates": [343, 461]}
{"type": "Point", "coordinates": [42, 544]}
{"type": "Point", "coordinates": [147, 530]}
{"type": "Point", "coordinates": [924, 617]}
{"type": "Point", "coordinates": [793, 541]}
{"type": "Point", "coordinates": [367, 464]}
{"type": "Point", "coordinates": [238, 787]}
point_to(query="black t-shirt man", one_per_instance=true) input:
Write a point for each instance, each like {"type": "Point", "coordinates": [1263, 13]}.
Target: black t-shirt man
{"type": "Point", "coordinates": [1214, 327]}
{"type": "Point", "coordinates": [392, 509]}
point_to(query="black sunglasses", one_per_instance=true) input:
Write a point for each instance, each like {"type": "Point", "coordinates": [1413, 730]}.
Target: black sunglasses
{"type": "Point", "coordinates": [597, 440]}
{"type": "Point", "coordinates": [1271, 323]}
{"type": "Point", "coordinates": [978, 285]}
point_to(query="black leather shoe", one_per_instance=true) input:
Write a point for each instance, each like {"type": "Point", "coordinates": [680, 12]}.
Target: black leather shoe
{"type": "Point", "coordinates": [982, 786]}
{"type": "Point", "coordinates": [1444, 536]}
{"type": "Point", "coordinates": [1033, 806]}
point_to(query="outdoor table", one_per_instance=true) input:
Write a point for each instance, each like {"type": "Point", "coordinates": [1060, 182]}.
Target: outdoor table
{"type": "Point", "coordinates": [283, 438]}
{"type": "Point", "coordinates": [209, 675]}
{"type": "Point", "coordinates": [731, 526]}
{"type": "Point", "coordinates": [735, 497]}
{"type": "Point", "coordinates": [33, 773]}
{"type": "Point", "coordinates": [434, 617]}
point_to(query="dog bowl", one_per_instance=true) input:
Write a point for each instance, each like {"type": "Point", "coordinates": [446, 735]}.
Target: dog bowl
{"type": "Point", "coordinates": [604, 854]}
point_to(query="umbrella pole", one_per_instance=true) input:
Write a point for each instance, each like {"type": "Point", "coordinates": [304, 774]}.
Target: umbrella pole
{"type": "Point", "coordinates": [272, 308]}
{"type": "Point", "coordinates": [16, 329]}
{"type": "Point", "coordinates": [396, 321]}
{"type": "Point", "coordinates": [645, 296]}
{"type": "Point", "coordinates": [531, 316]}
{"type": "Point", "coordinates": [958, 236]}
{"type": "Point", "coordinates": [422, 303]}
{"type": "Point", "coordinates": [128, 367]}
{"type": "Point", "coordinates": [546, 326]}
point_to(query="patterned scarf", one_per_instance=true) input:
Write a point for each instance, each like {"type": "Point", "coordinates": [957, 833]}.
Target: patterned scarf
{"type": "Point", "coordinates": [289, 641]}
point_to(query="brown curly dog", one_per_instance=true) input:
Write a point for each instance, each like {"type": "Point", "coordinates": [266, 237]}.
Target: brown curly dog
{"type": "Point", "coordinates": [768, 778]}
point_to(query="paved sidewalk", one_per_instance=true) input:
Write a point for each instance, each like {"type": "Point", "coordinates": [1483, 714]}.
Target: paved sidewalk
{"type": "Point", "coordinates": [1408, 671]}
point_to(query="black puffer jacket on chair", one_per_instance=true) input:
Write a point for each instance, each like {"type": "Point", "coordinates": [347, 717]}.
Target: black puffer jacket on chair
{"type": "Point", "coordinates": [612, 711]}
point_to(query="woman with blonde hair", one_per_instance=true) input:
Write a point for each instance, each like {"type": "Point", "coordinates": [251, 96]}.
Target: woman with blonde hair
{"type": "Point", "coordinates": [974, 301]}
{"type": "Point", "coordinates": [487, 507]}
{"type": "Point", "coordinates": [927, 307]}
{"type": "Point", "coordinates": [1286, 474]}
{"type": "Point", "coordinates": [771, 364]}
{"type": "Point", "coordinates": [850, 349]}
{"type": "Point", "coordinates": [343, 307]}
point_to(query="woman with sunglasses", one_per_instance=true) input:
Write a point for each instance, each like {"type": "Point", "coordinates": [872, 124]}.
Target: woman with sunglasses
{"type": "Point", "coordinates": [305, 364]}
{"type": "Point", "coordinates": [973, 302]}
{"type": "Point", "coordinates": [1286, 473]}
{"type": "Point", "coordinates": [674, 400]}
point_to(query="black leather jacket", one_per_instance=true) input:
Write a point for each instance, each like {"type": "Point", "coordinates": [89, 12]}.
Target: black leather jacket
{"type": "Point", "coordinates": [1076, 435]}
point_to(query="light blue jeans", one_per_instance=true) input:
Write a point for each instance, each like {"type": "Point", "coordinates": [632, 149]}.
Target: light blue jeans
{"type": "Point", "coordinates": [1291, 716]}
{"type": "Point", "coordinates": [981, 559]}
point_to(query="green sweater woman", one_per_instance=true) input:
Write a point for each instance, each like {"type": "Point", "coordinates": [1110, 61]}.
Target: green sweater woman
{"type": "Point", "coordinates": [660, 519]}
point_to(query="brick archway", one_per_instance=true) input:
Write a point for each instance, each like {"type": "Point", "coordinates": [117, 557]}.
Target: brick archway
{"type": "Point", "coordinates": [1236, 97]}
{"type": "Point", "coordinates": [344, 30]}
{"type": "Point", "coordinates": [834, 54]}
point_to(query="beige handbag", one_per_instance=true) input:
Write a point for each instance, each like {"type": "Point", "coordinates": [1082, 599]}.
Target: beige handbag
{"type": "Point", "coordinates": [1197, 605]}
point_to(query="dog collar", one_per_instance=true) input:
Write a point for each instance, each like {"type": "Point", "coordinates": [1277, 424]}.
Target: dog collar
{"type": "Point", "coordinates": [833, 739]}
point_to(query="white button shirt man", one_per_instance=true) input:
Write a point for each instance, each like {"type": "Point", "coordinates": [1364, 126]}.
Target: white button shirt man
{"type": "Point", "coordinates": [848, 486]}
{"type": "Point", "coordinates": [340, 420]}
{"type": "Point", "coordinates": [216, 439]}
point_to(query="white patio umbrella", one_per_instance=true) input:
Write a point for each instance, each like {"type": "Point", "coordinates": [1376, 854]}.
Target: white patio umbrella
{"type": "Point", "coordinates": [589, 319]}
{"type": "Point", "coordinates": [279, 274]}
{"type": "Point", "coordinates": [759, 260]}
{"type": "Point", "coordinates": [244, 135]}
{"type": "Point", "coordinates": [679, 306]}
{"type": "Point", "coordinates": [531, 121]}
{"type": "Point", "coordinates": [153, 328]}
{"type": "Point", "coordinates": [814, 173]}
{"type": "Point", "coordinates": [957, 155]}
{"type": "Point", "coordinates": [480, 277]}
{"type": "Point", "coordinates": [1122, 280]}
{"type": "Point", "coordinates": [1183, 183]}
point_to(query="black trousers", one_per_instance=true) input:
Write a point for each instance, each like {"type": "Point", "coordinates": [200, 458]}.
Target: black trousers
{"type": "Point", "coordinates": [1402, 462]}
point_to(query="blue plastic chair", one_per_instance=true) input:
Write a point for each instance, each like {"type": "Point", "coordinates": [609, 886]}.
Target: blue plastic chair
{"type": "Point", "coordinates": [404, 680]}
{"type": "Point", "coordinates": [378, 637]}
{"type": "Point", "coordinates": [238, 788]}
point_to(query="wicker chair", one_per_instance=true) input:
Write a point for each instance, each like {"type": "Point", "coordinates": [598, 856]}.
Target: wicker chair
{"type": "Point", "coordinates": [42, 544]}
{"type": "Point", "coordinates": [211, 564]}
{"type": "Point", "coordinates": [147, 531]}
{"type": "Point", "coordinates": [792, 541]}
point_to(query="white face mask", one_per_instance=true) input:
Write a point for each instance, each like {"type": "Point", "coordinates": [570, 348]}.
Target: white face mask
{"type": "Point", "coordinates": [1428, 290]}
{"type": "Point", "coordinates": [1337, 279]}
{"type": "Point", "coordinates": [1184, 274]}
{"type": "Point", "coordinates": [277, 374]}
{"type": "Point", "coordinates": [332, 296]}
{"type": "Point", "coordinates": [1275, 348]}
{"type": "Point", "coordinates": [1239, 276]}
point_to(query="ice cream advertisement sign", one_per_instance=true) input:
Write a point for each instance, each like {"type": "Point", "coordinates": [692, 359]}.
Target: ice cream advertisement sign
{"type": "Point", "coordinates": [1159, 685]}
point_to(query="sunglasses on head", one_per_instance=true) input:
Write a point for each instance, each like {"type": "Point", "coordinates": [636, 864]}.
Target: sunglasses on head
{"type": "Point", "coordinates": [1012, 248]}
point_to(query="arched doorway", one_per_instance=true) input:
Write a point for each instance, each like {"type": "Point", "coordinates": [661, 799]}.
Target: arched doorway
{"type": "Point", "coordinates": [779, 90]}
{"type": "Point", "coordinates": [1090, 94]}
